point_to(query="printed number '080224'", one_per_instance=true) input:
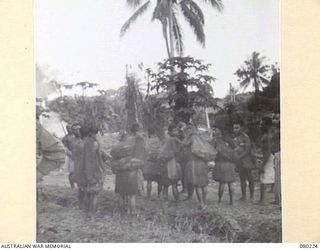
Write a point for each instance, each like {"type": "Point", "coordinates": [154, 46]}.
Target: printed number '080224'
{"type": "Point", "coordinates": [308, 245]}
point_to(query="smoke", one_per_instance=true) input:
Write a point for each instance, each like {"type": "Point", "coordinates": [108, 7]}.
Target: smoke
{"type": "Point", "coordinates": [44, 78]}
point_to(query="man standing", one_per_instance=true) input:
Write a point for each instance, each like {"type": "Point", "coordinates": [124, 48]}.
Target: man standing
{"type": "Point", "coordinates": [275, 149]}
{"type": "Point", "coordinates": [67, 141]}
{"type": "Point", "coordinates": [267, 171]}
{"type": "Point", "coordinates": [244, 164]}
{"type": "Point", "coordinates": [78, 165]}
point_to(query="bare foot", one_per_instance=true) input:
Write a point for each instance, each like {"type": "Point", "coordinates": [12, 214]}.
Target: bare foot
{"type": "Point", "coordinates": [275, 203]}
{"type": "Point", "coordinates": [204, 207]}
{"type": "Point", "coordinates": [263, 202]}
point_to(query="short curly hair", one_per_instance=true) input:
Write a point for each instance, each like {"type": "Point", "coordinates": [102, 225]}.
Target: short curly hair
{"type": "Point", "coordinates": [134, 127]}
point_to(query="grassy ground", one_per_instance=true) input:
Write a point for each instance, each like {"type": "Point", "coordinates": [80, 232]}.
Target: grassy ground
{"type": "Point", "coordinates": [60, 220]}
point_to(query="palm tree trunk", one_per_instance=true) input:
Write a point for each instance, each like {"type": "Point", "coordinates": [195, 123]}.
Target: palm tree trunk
{"type": "Point", "coordinates": [165, 35]}
{"type": "Point", "coordinates": [131, 103]}
{"type": "Point", "coordinates": [256, 86]}
{"type": "Point", "coordinates": [171, 29]}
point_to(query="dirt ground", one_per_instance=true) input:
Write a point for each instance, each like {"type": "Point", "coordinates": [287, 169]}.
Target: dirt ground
{"type": "Point", "coordinates": [60, 220]}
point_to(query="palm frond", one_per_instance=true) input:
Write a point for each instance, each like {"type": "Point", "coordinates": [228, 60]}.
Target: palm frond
{"type": "Point", "coordinates": [82, 84]}
{"type": "Point", "coordinates": [194, 22]}
{"type": "Point", "coordinates": [263, 69]}
{"type": "Point", "coordinates": [138, 13]}
{"type": "Point", "coordinates": [263, 79]}
{"type": "Point", "coordinates": [258, 86]}
{"type": "Point", "coordinates": [165, 33]}
{"type": "Point", "coordinates": [217, 4]}
{"type": "Point", "coordinates": [245, 83]}
{"type": "Point", "coordinates": [178, 36]}
{"type": "Point", "coordinates": [196, 9]}
{"type": "Point", "coordinates": [242, 73]}
{"type": "Point", "coordinates": [133, 3]}
{"type": "Point", "coordinates": [68, 86]}
{"type": "Point", "coordinates": [161, 11]}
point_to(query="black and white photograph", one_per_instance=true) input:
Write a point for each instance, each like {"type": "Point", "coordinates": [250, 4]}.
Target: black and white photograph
{"type": "Point", "coordinates": [158, 121]}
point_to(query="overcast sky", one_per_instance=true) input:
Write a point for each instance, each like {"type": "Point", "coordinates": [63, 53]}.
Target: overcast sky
{"type": "Point", "coordinates": [79, 39]}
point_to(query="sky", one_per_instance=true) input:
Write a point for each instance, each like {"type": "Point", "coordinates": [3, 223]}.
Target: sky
{"type": "Point", "coordinates": [79, 40]}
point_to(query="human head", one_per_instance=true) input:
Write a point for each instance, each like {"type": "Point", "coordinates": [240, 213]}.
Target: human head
{"type": "Point", "coordinates": [172, 130]}
{"type": "Point", "coordinates": [189, 129]}
{"type": "Point", "coordinates": [69, 128]}
{"type": "Point", "coordinates": [181, 125]}
{"type": "Point", "coordinates": [94, 129]}
{"type": "Point", "coordinates": [238, 127]}
{"type": "Point", "coordinates": [134, 128]}
{"type": "Point", "coordinates": [85, 129]}
{"type": "Point", "coordinates": [75, 128]}
{"type": "Point", "coordinates": [171, 127]}
{"type": "Point", "coordinates": [151, 131]}
{"type": "Point", "coordinates": [276, 119]}
{"type": "Point", "coordinates": [122, 136]}
{"type": "Point", "coordinates": [216, 132]}
{"type": "Point", "coordinates": [265, 123]}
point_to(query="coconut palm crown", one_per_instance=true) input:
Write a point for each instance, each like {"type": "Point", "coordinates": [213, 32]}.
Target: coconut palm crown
{"type": "Point", "coordinates": [253, 72]}
{"type": "Point", "coordinates": [167, 11]}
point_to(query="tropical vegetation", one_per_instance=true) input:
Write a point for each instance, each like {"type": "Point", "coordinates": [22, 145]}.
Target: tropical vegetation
{"type": "Point", "coordinates": [167, 13]}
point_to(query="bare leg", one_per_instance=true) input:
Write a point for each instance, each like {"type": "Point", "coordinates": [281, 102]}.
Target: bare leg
{"type": "Point", "coordinates": [231, 191]}
{"type": "Point", "coordinates": [262, 193]}
{"type": "Point", "coordinates": [243, 183]}
{"type": "Point", "coordinates": [165, 193]}
{"type": "Point", "coordinates": [190, 190]}
{"type": "Point", "coordinates": [175, 192]}
{"type": "Point", "coordinates": [221, 190]}
{"type": "Point", "coordinates": [199, 196]}
{"type": "Point", "coordinates": [132, 201]}
{"type": "Point", "coordinates": [81, 195]}
{"type": "Point", "coordinates": [122, 203]}
{"type": "Point", "coordinates": [149, 189]}
{"type": "Point", "coordinates": [126, 203]}
{"type": "Point", "coordinates": [86, 200]}
{"type": "Point", "coordinates": [276, 199]}
{"type": "Point", "coordinates": [129, 208]}
{"type": "Point", "coordinates": [251, 188]}
{"type": "Point", "coordinates": [71, 180]}
{"type": "Point", "coordinates": [271, 188]}
{"type": "Point", "coordinates": [204, 195]}
{"type": "Point", "coordinates": [159, 189]}
{"type": "Point", "coordinates": [184, 185]}
{"type": "Point", "coordinates": [183, 180]}
{"type": "Point", "coordinates": [94, 199]}
{"type": "Point", "coordinates": [251, 183]}
{"type": "Point", "coordinates": [90, 205]}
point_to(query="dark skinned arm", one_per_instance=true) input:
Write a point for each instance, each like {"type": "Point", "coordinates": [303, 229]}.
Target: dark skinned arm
{"type": "Point", "coordinates": [247, 148]}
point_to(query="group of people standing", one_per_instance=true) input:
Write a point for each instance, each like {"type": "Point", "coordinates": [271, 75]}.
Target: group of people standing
{"type": "Point", "coordinates": [185, 156]}
{"type": "Point", "coordinates": [236, 155]}
{"type": "Point", "coordinates": [86, 163]}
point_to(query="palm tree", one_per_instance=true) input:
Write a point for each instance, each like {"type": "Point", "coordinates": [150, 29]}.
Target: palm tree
{"type": "Point", "coordinates": [85, 85]}
{"type": "Point", "coordinates": [133, 100]}
{"type": "Point", "coordinates": [166, 11]}
{"type": "Point", "coordinates": [253, 72]}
